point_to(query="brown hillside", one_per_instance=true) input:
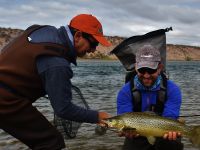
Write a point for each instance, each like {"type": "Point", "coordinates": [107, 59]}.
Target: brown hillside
{"type": "Point", "coordinates": [174, 52]}
{"type": "Point", "coordinates": [182, 52]}
{"type": "Point", "coordinates": [7, 34]}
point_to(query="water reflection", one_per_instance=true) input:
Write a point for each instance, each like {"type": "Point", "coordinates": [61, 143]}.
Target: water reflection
{"type": "Point", "coordinates": [99, 82]}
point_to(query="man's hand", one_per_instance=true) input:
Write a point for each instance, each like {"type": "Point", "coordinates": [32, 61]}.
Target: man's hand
{"type": "Point", "coordinates": [172, 135]}
{"type": "Point", "coordinates": [103, 115]}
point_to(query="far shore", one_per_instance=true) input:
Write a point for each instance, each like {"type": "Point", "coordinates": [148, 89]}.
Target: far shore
{"type": "Point", "coordinates": [174, 52]}
{"type": "Point", "coordinates": [112, 60]}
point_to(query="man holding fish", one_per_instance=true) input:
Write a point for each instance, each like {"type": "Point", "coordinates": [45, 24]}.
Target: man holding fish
{"type": "Point", "coordinates": [142, 94]}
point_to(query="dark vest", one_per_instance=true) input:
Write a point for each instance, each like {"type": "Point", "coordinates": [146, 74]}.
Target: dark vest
{"type": "Point", "coordinates": [161, 97]}
{"type": "Point", "coordinates": [18, 69]}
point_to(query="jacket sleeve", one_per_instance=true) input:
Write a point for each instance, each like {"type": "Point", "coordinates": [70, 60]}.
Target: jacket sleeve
{"type": "Point", "coordinates": [124, 100]}
{"type": "Point", "coordinates": [56, 73]}
{"type": "Point", "coordinates": [173, 103]}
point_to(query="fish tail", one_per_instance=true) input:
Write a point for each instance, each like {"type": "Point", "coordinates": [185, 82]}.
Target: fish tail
{"type": "Point", "coordinates": [195, 136]}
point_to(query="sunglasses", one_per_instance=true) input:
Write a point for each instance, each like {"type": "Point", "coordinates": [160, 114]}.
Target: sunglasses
{"type": "Point", "coordinates": [148, 70]}
{"type": "Point", "coordinates": [93, 44]}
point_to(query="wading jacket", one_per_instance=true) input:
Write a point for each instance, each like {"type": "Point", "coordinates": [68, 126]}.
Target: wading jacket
{"type": "Point", "coordinates": [18, 69]}
{"type": "Point", "coordinates": [149, 97]}
{"type": "Point", "coordinates": [38, 63]}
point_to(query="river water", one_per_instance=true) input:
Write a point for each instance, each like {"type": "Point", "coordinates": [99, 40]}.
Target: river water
{"type": "Point", "coordinates": [99, 82]}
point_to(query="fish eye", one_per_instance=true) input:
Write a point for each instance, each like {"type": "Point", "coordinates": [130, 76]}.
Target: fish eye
{"type": "Point", "coordinates": [109, 119]}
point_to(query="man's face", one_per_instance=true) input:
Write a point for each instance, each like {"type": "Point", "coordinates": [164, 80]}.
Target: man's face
{"type": "Point", "coordinates": [148, 76]}
{"type": "Point", "coordinates": [84, 43]}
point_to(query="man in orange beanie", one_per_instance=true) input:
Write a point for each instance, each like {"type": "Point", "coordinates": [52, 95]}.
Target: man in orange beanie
{"type": "Point", "coordinates": [36, 63]}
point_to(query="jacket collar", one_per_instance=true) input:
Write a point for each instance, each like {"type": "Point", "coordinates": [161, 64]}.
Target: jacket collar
{"type": "Point", "coordinates": [68, 43]}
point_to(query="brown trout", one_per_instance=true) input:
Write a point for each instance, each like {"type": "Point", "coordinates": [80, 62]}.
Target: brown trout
{"type": "Point", "coordinates": [151, 126]}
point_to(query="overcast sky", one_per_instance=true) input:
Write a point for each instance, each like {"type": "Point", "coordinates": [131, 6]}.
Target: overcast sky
{"type": "Point", "coordinates": [119, 17]}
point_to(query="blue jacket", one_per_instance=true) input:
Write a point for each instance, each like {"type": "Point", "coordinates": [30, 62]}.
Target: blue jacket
{"type": "Point", "coordinates": [56, 73]}
{"type": "Point", "coordinates": [171, 106]}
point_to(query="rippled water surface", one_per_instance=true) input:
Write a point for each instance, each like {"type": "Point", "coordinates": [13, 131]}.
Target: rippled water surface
{"type": "Point", "coordinates": [99, 82]}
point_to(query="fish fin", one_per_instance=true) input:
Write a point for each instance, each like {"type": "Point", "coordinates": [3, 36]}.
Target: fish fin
{"type": "Point", "coordinates": [122, 128]}
{"type": "Point", "coordinates": [150, 113]}
{"type": "Point", "coordinates": [151, 139]}
{"type": "Point", "coordinates": [181, 120]}
{"type": "Point", "coordinates": [195, 136]}
{"type": "Point", "coordinates": [126, 129]}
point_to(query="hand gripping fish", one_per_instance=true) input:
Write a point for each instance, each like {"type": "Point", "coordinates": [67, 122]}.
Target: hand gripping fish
{"type": "Point", "coordinates": [151, 126]}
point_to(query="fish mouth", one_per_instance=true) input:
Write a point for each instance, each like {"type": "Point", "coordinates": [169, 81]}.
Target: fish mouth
{"type": "Point", "coordinates": [105, 123]}
{"type": "Point", "coordinates": [108, 126]}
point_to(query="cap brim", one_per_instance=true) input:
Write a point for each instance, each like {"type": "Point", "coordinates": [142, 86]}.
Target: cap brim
{"type": "Point", "coordinates": [152, 65]}
{"type": "Point", "coordinates": [102, 40]}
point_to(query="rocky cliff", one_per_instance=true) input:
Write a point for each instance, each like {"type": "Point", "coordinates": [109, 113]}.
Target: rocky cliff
{"type": "Point", "coordinates": [174, 52]}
